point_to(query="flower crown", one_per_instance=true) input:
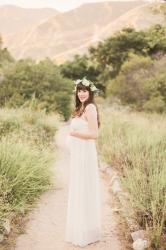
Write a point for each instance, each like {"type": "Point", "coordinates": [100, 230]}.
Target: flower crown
{"type": "Point", "coordinates": [86, 82]}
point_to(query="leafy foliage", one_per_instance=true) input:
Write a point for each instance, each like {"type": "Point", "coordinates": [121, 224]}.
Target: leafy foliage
{"type": "Point", "coordinates": [141, 84]}
{"type": "Point", "coordinates": [5, 56]}
{"type": "Point", "coordinates": [105, 61]}
{"type": "Point", "coordinates": [110, 54]}
{"type": "Point", "coordinates": [123, 66]}
{"type": "Point", "coordinates": [26, 79]}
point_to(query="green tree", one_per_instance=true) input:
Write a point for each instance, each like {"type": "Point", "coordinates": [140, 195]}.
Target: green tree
{"type": "Point", "coordinates": [141, 84]}
{"type": "Point", "coordinates": [5, 56]}
{"type": "Point", "coordinates": [156, 40]}
{"type": "Point", "coordinates": [110, 54]}
{"type": "Point", "coordinates": [26, 78]}
{"type": "Point", "coordinates": [79, 67]}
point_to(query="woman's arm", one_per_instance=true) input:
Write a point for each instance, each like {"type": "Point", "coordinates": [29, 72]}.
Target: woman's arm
{"type": "Point", "coordinates": [91, 115]}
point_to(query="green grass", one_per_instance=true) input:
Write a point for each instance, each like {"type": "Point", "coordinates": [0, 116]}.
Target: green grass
{"type": "Point", "coordinates": [27, 152]}
{"type": "Point", "coordinates": [135, 144]}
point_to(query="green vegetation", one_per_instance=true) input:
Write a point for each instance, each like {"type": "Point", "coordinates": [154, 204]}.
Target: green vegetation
{"type": "Point", "coordinates": [80, 67]}
{"type": "Point", "coordinates": [5, 56]}
{"type": "Point", "coordinates": [141, 83]}
{"type": "Point", "coordinates": [128, 68]}
{"type": "Point", "coordinates": [43, 80]}
{"type": "Point", "coordinates": [127, 62]}
{"type": "Point", "coordinates": [27, 152]}
{"type": "Point", "coordinates": [23, 80]}
{"type": "Point", "coordinates": [135, 144]}
{"type": "Point", "coordinates": [125, 67]}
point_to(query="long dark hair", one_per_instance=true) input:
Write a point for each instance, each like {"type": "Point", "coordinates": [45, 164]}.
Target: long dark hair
{"type": "Point", "coordinates": [78, 111]}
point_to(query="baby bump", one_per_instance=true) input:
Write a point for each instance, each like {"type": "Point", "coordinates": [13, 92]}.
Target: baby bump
{"type": "Point", "coordinates": [81, 126]}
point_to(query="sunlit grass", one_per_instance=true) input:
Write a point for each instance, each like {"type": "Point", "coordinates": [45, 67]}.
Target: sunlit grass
{"type": "Point", "coordinates": [24, 172]}
{"type": "Point", "coordinates": [135, 144]}
{"type": "Point", "coordinates": [27, 152]}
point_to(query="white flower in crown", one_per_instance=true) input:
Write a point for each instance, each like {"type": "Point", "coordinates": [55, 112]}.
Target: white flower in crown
{"type": "Point", "coordinates": [93, 87]}
{"type": "Point", "coordinates": [86, 82]}
{"type": "Point", "coordinates": [77, 81]}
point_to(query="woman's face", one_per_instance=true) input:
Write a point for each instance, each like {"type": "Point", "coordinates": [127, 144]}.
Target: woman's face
{"type": "Point", "coordinates": [83, 95]}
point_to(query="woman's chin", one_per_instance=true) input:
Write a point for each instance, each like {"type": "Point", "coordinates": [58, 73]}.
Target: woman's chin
{"type": "Point", "coordinates": [82, 100]}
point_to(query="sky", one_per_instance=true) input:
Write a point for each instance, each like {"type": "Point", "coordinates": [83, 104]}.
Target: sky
{"type": "Point", "coordinates": [61, 5]}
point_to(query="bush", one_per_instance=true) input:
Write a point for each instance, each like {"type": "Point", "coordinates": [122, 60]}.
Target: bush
{"type": "Point", "coordinates": [27, 152]}
{"type": "Point", "coordinates": [141, 84]}
{"type": "Point", "coordinates": [24, 174]}
{"type": "Point", "coordinates": [155, 104]}
{"type": "Point", "coordinates": [26, 80]}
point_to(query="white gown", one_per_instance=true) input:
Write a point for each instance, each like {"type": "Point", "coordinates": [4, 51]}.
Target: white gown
{"type": "Point", "coordinates": [83, 221]}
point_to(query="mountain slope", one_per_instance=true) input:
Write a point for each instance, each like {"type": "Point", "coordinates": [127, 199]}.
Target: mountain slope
{"type": "Point", "coordinates": [15, 19]}
{"type": "Point", "coordinates": [65, 34]}
{"type": "Point", "coordinates": [67, 30]}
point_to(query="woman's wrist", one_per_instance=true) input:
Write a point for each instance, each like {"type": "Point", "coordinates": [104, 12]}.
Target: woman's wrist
{"type": "Point", "coordinates": [81, 135]}
{"type": "Point", "coordinates": [73, 133]}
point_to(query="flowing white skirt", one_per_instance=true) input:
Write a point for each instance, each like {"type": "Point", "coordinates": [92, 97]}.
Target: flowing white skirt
{"type": "Point", "coordinates": [83, 222]}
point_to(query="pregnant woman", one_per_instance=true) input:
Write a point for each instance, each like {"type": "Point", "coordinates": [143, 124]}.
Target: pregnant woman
{"type": "Point", "coordinates": [83, 224]}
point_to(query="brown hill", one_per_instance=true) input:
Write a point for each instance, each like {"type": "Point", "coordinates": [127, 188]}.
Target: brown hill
{"type": "Point", "coordinates": [68, 33]}
{"type": "Point", "coordinates": [15, 19]}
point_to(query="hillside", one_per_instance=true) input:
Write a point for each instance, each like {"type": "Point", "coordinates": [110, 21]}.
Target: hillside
{"type": "Point", "coordinates": [14, 19]}
{"type": "Point", "coordinates": [65, 34]}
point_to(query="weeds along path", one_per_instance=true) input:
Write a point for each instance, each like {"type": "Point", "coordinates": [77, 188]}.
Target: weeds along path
{"type": "Point", "coordinates": [45, 228]}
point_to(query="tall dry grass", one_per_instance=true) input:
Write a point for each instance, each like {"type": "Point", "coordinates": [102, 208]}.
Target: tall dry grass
{"type": "Point", "coordinates": [135, 144]}
{"type": "Point", "coordinates": [27, 152]}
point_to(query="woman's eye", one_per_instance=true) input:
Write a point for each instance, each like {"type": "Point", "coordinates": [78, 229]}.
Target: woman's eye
{"type": "Point", "coordinates": [82, 91]}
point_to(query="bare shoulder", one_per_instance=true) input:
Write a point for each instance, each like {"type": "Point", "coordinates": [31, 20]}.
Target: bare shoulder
{"type": "Point", "coordinates": [90, 107]}
{"type": "Point", "coordinates": [90, 110]}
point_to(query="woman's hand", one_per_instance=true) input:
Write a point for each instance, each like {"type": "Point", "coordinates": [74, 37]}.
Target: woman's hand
{"type": "Point", "coordinates": [73, 133]}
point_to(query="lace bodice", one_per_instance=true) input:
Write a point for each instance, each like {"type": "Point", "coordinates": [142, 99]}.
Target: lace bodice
{"type": "Point", "coordinates": [78, 123]}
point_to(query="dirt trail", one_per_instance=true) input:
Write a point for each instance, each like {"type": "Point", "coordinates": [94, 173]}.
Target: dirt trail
{"type": "Point", "coordinates": [46, 223]}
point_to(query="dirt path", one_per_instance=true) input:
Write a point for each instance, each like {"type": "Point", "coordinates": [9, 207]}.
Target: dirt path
{"type": "Point", "coordinates": [46, 223]}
